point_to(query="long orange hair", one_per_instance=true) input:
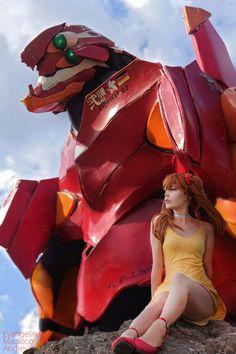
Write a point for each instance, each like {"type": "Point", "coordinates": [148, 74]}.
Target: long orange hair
{"type": "Point", "coordinates": [198, 201]}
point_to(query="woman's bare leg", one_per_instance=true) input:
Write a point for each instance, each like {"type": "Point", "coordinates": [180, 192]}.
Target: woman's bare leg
{"type": "Point", "coordinates": [186, 297]}
{"type": "Point", "coordinates": [144, 320]}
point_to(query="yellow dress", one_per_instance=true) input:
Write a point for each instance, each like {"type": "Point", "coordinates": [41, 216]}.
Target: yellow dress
{"type": "Point", "coordinates": [185, 255]}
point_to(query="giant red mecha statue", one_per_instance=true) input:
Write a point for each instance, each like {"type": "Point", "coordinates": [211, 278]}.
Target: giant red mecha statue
{"type": "Point", "coordinates": [83, 238]}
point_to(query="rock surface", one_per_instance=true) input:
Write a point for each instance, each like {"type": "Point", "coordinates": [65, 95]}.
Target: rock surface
{"type": "Point", "coordinates": [218, 337]}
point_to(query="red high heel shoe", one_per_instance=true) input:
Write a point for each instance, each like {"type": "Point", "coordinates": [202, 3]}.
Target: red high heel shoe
{"type": "Point", "coordinates": [144, 348]}
{"type": "Point", "coordinates": [124, 345]}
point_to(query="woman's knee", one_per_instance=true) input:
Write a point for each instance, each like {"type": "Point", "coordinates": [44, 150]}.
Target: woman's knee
{"type": "Point", "coordinates": [179, 279]}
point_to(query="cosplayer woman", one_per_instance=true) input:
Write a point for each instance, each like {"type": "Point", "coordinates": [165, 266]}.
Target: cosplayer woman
{"type": "Point", "coordinates": [182, 245]}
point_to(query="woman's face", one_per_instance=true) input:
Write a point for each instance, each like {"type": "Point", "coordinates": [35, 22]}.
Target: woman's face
{"type": "Point", "coordinates": [175, 198]}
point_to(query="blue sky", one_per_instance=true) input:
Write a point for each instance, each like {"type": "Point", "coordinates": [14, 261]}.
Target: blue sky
{"type": "Point", "coordinates": [30, 144]}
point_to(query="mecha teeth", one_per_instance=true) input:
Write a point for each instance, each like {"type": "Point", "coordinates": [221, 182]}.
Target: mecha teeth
{"type": "Point", "coordinates": [67, 73]}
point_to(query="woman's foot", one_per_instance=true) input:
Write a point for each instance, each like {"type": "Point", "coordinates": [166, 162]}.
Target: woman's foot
{"type": "Point", "coordinates": [126, 342]}
{"type": "Point", "coordinates": [155, 338]}
{"type": "Point", "coordinates": [123, 345]}
{"type": "Point", "coordinates": [129, 333]}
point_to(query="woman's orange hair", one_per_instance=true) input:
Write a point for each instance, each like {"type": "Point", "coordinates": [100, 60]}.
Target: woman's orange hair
{"type": "Point", "coordinates": [192, 185]}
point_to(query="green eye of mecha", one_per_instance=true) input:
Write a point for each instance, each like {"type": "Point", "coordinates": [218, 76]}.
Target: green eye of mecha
{"type": "Point", "coordinates": [60, 41]}
{"type": "Point", "coordinates": [71, 57]}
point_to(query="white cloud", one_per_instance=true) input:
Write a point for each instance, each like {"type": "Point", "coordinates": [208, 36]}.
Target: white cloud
{"type": "Point", "coordinates": [181, 2]}
{"type": "Point", "coordinates": [136, 3]}
{"type": "Point", "coordinates": [29, 325]}
{"type": "Point", "coordinates": [4, 301]}
{"type": "Point", "coordinates": [16, 25]}
{"type": "Point", "coordinates": [9, 160]}
{"type": "Point", "coordinates": [8, 179]}
{"type": "Point", "coordinates": [30, 321]}
{"type": "Point", "coordinates": [4, 298]}
{"type": "Point", "coordinates": [157, 32]}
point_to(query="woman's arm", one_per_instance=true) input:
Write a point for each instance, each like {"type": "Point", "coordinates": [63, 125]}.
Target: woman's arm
{"type": "Point", "coordinates": [209, 245]}
{"type": "Point", "coordinates": [157, 262]}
